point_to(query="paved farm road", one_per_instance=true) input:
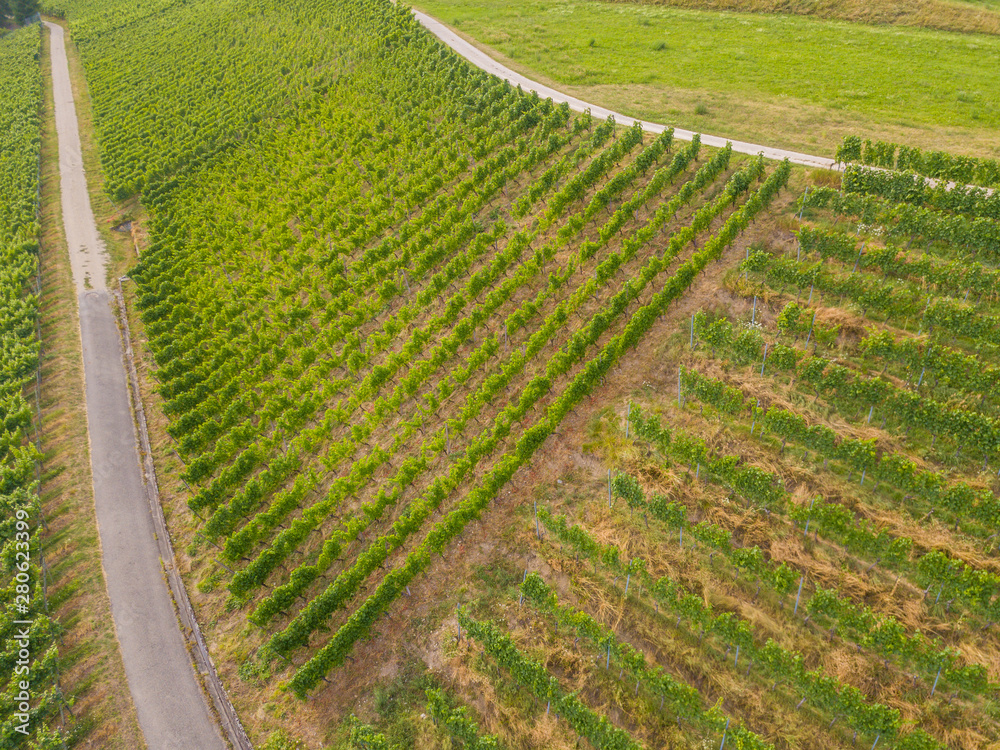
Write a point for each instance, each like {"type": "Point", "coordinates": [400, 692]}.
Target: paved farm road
{"type": "Point", "coordinates": [483, 61]}
{"type": "Point", "coordinates": [172, 709]}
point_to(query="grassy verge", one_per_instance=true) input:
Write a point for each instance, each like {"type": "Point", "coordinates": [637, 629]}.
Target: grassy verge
{"type": "Point", "coordinates": [95, 675]}
{"type": "Point", "coordinates": [789, 81]}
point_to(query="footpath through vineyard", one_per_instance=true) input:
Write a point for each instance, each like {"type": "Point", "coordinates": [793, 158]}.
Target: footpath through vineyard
{"type": "Point", "coordinates": [171, 706]}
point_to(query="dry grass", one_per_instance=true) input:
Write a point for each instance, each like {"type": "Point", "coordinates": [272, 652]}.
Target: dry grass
{"type": "Point", "coordinates": [928, 14]}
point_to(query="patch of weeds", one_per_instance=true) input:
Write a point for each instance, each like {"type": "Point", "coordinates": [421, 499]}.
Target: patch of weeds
{"type": "Point", "coordinates": [281, 740]}
{"type": "Point", "coordinates": [498, 576]}
{"type": "Point", "coordinates": [400, 702]}
{"type": "Point", "coordinates": [208, 584]}
{"type": "Point", "coordinates": [660, 46]}
{"type": "Point", "coordinates": [701, 109]}
{"type": "Point", "coordinates": [255, 671]}
{"type": "Point", "coordinates": [195, 546]}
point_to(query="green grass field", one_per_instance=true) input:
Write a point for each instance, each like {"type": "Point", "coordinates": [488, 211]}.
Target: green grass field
{"type": "Point", "coordinates": [788, 80]}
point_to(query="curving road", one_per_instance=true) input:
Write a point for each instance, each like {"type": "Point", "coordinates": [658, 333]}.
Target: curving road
{"type": "Point", "coordinates": [483, 61]}
{"type": "Point", "coordinates": [171, 707]}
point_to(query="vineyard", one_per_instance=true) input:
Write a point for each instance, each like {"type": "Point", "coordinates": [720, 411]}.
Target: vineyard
{"type": "Point", "coordinates": [30, 695]}
{"type": "Point", "coordinates": [483, 423]}
{"type": "Point", "coordinates": [802, 522]}
{"type": "Point", "coordinates": [794, 543]}
{"type": "Point", "coordinates": [352, 371]}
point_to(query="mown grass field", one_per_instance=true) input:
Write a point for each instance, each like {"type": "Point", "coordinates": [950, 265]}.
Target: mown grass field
{"type": "Point", "coordinates": [792, 81]}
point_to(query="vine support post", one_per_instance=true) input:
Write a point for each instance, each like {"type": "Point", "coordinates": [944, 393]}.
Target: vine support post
{"type": "Point", "coordinates": [798, 595]}
{"type": "Point", "coordinates": [811, 325]}
{"type": "Point", "coordinates": [934, 686]}
{"type": "Point", "coordinates": [753, 314]}
{"type": "Point", "coordinates": [724, 731]}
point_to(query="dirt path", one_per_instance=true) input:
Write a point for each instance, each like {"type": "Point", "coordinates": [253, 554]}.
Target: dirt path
{"type": "Point", "coordinates": [483, 61]}
{"type": "Point", "coordinates": [171, 707]}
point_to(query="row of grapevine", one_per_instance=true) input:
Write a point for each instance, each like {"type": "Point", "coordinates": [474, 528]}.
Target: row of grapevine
{"type": "Point", "coordinates": [202, 409]}
{"type": "Point", "coordinates": [458, 723]}
{"type": "Point", "coordinates": [937, 164]}
{"type": "Point", "coordinates": [250, 61]}
{"type": "Point", "coordinates": [683, 699]}
{"type": "Point", "coordinates": [420, 369]}
{"type": "Point", "coordinates": [376, 282]}
{"type": "Point", "coordinates": [967, 427]}
{"type": "Point", "coordinates": [475, 401]}
{"type": "Point", "coordinates": [361, 620]}
{"type": "Point", "coordinates": [283, 595]}
{"type": "Point", "coordinates": [552, 324]}
{"type": "Point", "coordinates": [882, 634]}
{"type": "Point", "coordinates": [826, 694]}
{"type": "Point", "coordinates": [954, 368]}
{"type": "Point", "coordinates": [585, 721]}
{"type": "Point", "coordinates": [833, 518]}
{"type": "Point", "coordinates": [957, 277]}
{"type": "Point", "coordinates": [896, 300]}
{"type": "Point", "coordinates": [973, 586]}
{"type": "Point", "coordinates": [959, 498]}
{"type": "Point", "coordinates": [451, 272]}
{"type": "Point", "coordinates": [31, 698]}
{"type": "Point", "coordinates": [906, 220]}
{"type": "Point", "coordinates": [830, 555]}
{"type": "Point", "coordinates": [902, 187]}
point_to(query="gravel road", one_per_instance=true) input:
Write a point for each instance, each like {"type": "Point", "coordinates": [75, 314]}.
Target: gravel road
{"type": "Point", "coordinates": [483, 61]}
{"type": "Point", "coordinates": [171, 707]}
